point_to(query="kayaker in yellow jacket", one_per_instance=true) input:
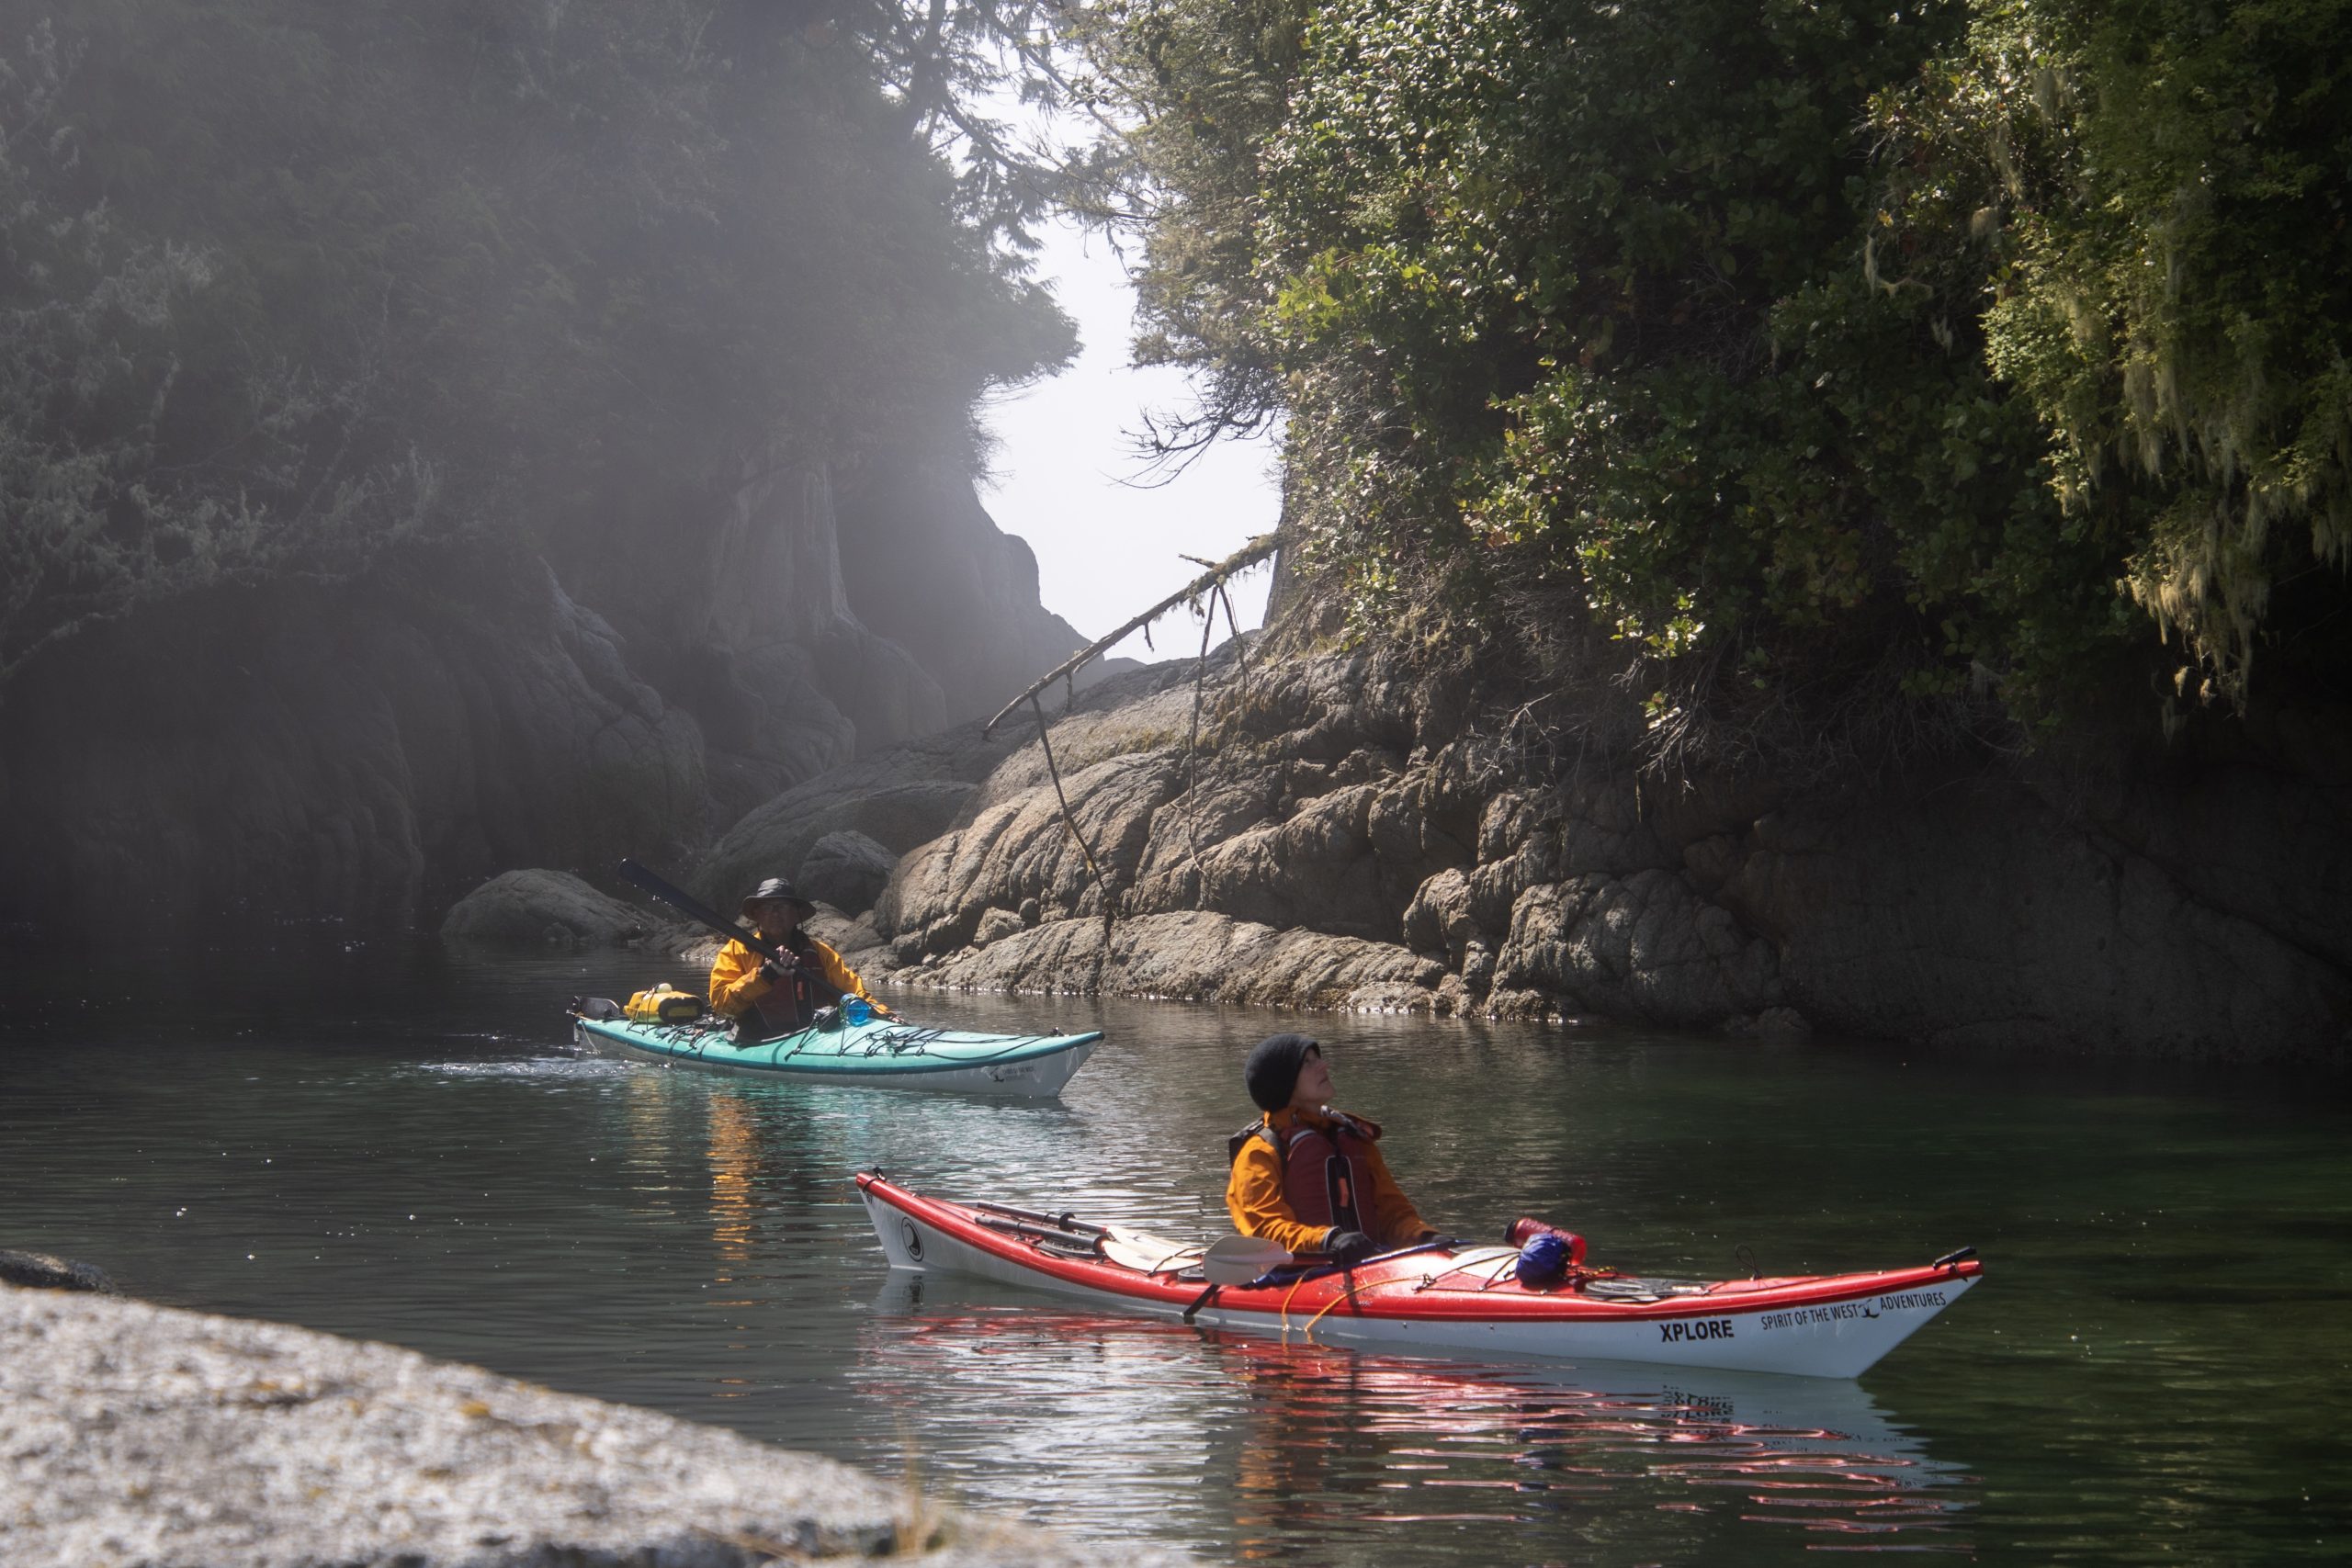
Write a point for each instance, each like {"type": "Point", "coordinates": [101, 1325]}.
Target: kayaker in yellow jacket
{"type": "Point", "coordinates": [1306, 1177]}
{"type": "Point", "coordinates": [747, 985]}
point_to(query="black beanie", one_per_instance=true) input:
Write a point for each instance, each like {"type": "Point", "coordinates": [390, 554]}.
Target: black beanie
{"type": "Point", "coordinates": [1273, 1070]}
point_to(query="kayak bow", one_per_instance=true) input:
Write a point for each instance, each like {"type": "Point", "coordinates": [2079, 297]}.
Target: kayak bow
{"type": "Point", "coordinates": [1445, 1301]}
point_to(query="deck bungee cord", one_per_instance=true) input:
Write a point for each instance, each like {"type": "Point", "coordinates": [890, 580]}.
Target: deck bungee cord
{"type": "Point", "coordinates": [1500, 1266]}
{"type": "Point", "coordinates": [1067, 1236]}
{"type": "Point", "coordinates": [1349, 1294]}
{"type": "Point", "coordinates": [918, 1040]}
{"type": "Point", "coordinates": [905, 1040]}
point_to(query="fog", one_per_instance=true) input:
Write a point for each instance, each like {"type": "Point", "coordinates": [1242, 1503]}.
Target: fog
{"type": "Point", "coordinates": [449, 436]}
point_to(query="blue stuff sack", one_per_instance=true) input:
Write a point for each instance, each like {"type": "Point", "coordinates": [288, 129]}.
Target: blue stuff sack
{"type": "Point", "coordinates": [1543, 1262]}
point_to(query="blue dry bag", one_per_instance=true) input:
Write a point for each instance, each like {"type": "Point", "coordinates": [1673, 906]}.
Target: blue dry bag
{"type": "Point", "coordinates": [1543, 1262]}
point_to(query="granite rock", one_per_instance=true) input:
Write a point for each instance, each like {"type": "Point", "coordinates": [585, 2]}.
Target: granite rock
{"type": "Point", "coordinates": [1341, 831]}
{"type": "Point", "coordinates": [899, 798]}
{"type": "Point", "coordinates": [544, 907]}
{"type": "Point", "coordinates": [42, 1270]}
{"type": "Point", "coordinates": [292, 754]}
{"type": "Point", "coordinates": [142, 1434]}
{"type": "Point", "coordinates": [365, 752]}
{"type": "Point", "coordinates": [846, 869]}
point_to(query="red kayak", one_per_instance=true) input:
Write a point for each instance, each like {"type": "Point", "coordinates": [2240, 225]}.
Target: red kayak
{"type": "Point", "coordinates": [1443, 1300]}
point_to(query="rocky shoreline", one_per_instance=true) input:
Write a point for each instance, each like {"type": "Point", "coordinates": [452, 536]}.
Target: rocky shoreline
{"type": "Point", "coordinates": [142, 1434]}
{"type": "Point", "coordinates": [1345, 834]}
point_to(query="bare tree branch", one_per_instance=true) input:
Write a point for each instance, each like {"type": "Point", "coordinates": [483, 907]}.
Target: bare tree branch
{"type": "Point", "coordinates": [1248, 554]}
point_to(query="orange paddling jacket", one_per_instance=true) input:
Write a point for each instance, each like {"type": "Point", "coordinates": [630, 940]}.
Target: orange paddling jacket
{"type": "Point", "coordinates": [1298, 1176]}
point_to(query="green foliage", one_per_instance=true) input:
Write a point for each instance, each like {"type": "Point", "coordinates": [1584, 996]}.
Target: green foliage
{"type": "Point", "coordinates": [284, 287]}
{"type": "Point", "coordinates": [2156, 195]}
{"type": "Point", "coordinates": [1774, 341]}
{"type": "Point", "coordinates": [1205, 86]}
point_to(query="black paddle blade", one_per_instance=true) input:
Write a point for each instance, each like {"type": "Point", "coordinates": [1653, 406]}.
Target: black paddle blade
{"type": "Point", "coordinates": [685, 903]}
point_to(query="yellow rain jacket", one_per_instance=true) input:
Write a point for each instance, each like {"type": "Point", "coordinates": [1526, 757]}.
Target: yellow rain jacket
{"type": "Point", "coordinates": [737, 985]}
{"type": "Point", "coordinates": [1264, 1192]}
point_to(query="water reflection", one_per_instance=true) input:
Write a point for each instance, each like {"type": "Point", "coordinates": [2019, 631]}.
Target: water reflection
{"type": "Point", "coordinates": [1309, 1449]}
{"type": "Point", "coordinates": [734, 1165]}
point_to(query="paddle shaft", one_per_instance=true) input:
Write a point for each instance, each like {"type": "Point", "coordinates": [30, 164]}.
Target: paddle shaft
{"type": "Point", "coordinates": [1071, 1223]}
{"type": "Point", "coordinates": [687, 903]}
{"type": "Point", "coordinates": [1320, 1270]}
{"type": "Point", "coordinates": [1032, 1230]}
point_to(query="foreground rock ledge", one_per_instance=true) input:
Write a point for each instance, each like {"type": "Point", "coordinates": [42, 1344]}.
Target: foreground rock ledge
{"type": "Point", "coordinates": [140, 1435]}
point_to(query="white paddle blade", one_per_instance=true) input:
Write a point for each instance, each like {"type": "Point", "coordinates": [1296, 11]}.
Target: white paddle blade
{"type": "Point", "coordinates": [1238, 1260]}
{"type": "Point", "coordinates": [1147, 1254]}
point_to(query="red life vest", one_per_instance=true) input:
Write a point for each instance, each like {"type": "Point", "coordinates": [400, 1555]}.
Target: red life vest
{"type": "Point", "coordinates": [790, 1005]}
{"type": "Point", "coordinates": [1327, 1181]}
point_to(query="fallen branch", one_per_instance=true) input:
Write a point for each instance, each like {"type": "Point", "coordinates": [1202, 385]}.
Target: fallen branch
{"type": "Point", "coordinates": [1248, 554]}
{"type": "Point", "coordinates": [1069, 818]}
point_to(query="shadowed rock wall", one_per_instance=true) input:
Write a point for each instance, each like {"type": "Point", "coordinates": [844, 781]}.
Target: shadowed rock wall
{"type": "Point", "coordinates": [346, 755]}
{"type": "Point", "coordinates": [368, 754]}
{"type": "Point", "coordinates": [806, 687]}
{"type": "Point", "coordinates": [934, 572]}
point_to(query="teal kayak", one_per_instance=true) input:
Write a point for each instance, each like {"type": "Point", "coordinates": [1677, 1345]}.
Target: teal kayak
{"type": "Point", "coordinates": [883, 1053]}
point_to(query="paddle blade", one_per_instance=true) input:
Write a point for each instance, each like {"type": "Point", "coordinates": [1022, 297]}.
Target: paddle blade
{"type": "Point", "coordinates": [1145, 1254]}
{"type": "Point", "coordinates": [1238, 1260]}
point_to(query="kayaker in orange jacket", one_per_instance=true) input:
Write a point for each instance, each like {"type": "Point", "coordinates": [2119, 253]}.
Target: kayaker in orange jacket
{"type": "Point", "coordinates": [1306, 1177]}
{"type": "Point", "coordinates": [746, 984]}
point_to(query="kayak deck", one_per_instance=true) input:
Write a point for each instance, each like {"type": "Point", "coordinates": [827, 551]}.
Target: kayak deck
{"type": "Point", "coordinates": [880, 1052]}
{"type": "Point", "coordinates": [1447, 1301]}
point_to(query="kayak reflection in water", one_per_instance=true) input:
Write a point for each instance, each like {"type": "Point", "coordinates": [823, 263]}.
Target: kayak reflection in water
{"type": "Point", "coordinates": [769, 998]}
{"type": "Point", "coordinates": [1306, 1177]}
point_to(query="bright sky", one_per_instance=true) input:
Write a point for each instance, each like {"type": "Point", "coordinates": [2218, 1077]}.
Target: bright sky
{"type": "Point", "coordinates": [1106, 551]}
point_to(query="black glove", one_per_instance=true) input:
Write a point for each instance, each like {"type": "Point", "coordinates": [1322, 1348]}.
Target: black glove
{"type": "Point", "coordinates": [773, 972]}
{"type": "Point", "coordinates": [1347, 1247]}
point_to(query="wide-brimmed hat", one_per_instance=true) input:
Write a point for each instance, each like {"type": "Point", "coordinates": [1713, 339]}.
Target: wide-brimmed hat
{"type": "Point", "coordinates": [776, 887]}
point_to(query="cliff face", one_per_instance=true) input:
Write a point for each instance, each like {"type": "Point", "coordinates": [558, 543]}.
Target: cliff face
{"type": "Point", "coordinates": [1351, 835]}
{"type": "Point", "coordinates": [801, 685]}
{"type": "Point", "coordinates": [365, 754]}
{"type": "Point", "coordinates": [935, 575]}
{"type": "Point", "coordinates": [288, 755]}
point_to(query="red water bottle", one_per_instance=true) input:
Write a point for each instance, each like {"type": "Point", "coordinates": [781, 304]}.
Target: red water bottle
{"type": "Point", "coordinates": [1527, 1227]}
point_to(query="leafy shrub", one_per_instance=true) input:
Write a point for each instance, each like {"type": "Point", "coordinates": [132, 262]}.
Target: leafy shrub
{"type": "Point", "coordinates": [1790, 347]}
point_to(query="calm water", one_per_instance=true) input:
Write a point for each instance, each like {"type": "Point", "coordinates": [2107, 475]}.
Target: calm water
{"type": "Point", "coordinates": [401, 1145]}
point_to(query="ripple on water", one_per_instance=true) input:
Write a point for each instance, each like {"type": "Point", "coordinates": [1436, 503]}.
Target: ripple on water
{"type": "Point", "coordinates": [583, 1068]}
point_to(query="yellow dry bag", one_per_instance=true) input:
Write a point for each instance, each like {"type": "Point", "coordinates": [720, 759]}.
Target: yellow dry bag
{"type": "Point", "coordinates": [664, 1004]}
